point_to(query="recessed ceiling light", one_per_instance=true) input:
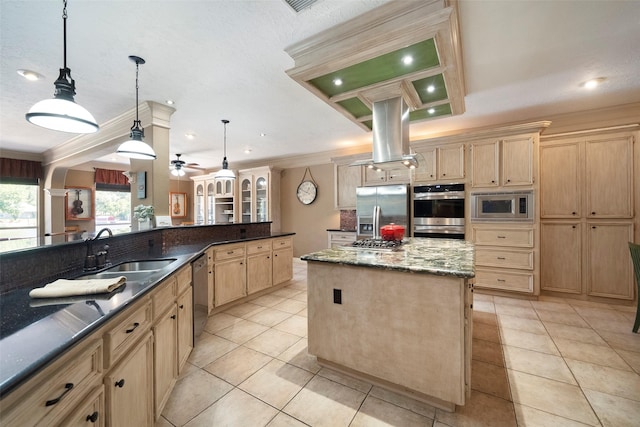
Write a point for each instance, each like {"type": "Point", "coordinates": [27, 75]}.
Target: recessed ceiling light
{"type": "Point", "coordinates": [593, 83]}
{"type": "Point", "coordinates": [431, 88]}
{"type": "Point", "coordinates": [263, 134]}
{"type": "Point", "coordinates": [431, 110]}
{"type": "Point", "coordinates": [30, 75]}
{"type": "Point", "coordinates": [190, 135]}
{"type": "Point", "coordinates": [407, 60]}
{"type": "Point", "coordinates": [170, 102]}
{"type": "Point", "coordinates": [247, 150]}
{"type": "Point", "coordinates": [337, 82]}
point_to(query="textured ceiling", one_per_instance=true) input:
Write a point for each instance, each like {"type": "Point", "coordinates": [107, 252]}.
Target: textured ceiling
{"type": "Point", "coordinates": [222, 59]}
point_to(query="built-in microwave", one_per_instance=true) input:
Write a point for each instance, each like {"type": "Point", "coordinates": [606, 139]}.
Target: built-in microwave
{"type": "Point", "coordinates": [502, 206]}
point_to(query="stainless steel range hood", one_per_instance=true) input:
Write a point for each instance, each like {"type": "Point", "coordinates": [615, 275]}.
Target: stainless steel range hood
{"type": "Point", "coordinates": [390, 136]}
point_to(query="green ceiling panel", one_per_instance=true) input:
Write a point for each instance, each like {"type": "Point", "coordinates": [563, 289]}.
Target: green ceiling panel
{"type": "Point", "coordinates": [355, 107]}
{"type": "Point", "coordinates": [440, 110]}
{"type": "Point", "coordinates": [368, 123]}
{"type": "Point", "coordinates": [439, 92]}
{"type": "Point", "coordinates": [380, 69]}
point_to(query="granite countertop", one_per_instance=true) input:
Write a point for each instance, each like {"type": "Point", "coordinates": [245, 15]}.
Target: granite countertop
{"type": "Point", "coordinates": [444, 257]}
{"type": "Point", "coordinates": [36, 331]}
{"type": "Point", "coordinates": [344, 230]}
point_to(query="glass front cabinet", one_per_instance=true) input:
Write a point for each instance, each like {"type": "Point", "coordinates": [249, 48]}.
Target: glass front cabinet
{"type": "Point", "coordinates": [260, 196]}
{"type": "Point", "coordinates": [206, 208]}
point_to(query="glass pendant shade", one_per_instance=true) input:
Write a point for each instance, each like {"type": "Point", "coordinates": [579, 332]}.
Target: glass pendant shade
{"type": "Point", "coordinates": [177, 172]}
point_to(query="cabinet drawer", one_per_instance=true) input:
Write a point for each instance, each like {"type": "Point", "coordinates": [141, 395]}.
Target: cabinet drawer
{"type": "Point", "coordinates": [183, 279]}
{"type": "Point", "coordinates": [504, 258]}
{"type": "Point", "coordinates": [522, 238]}
{"type": "Point", "coordinates": [53, 394]}
{"type": "Point", "coordinates": [259, 246]}
{"type": "Point", "coordinates": [126, 332]}
{"type": "Point", "coordinates": [283, 242]}
{"type": "Point", "coordinates": [227, 252]}
{"type": "Point", "coordinates": [90, 412]}
{"type": "Point", "coordinates": [163, 296]}
{"type": "Point", "coordinates": [504, 280]}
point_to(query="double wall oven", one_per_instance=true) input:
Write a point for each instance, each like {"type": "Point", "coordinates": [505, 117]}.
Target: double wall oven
{"type": "Point", "coordinates": [438, 211]}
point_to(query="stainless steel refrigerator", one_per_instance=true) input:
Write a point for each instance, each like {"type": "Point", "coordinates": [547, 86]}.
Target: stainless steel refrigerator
{"type": "Point", "coordinates": [382, 205]}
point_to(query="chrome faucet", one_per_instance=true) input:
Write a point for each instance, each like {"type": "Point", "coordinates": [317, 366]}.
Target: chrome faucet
{"type": "Point", "coordinates": [100, 259]}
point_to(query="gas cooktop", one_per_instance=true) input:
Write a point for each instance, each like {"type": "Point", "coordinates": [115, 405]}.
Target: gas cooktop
{"type": "Point", "coordinates": [375, 245]}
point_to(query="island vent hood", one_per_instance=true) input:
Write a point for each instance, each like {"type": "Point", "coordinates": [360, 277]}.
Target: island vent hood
{"type": "Point", "coordinates": [390, 136]}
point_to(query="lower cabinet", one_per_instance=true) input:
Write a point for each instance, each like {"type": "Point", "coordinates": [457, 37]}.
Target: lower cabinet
{"type": "Point", "coordinates": [561, 255]}
{"type": "Point", "coordinates": [90, 412]}
{"type": "Point", "coordinates": [165, 366]}
{"type": "Point", "coordinates": [185, 327]}
{"type": "Point", "coordinates": [230, 274]}
{"type": "Point", "coordinates": [259, 266]}
{"type": "Point", "coordinates": [340, 238]}
{"type": "Point", "coordinates": [282, 265]}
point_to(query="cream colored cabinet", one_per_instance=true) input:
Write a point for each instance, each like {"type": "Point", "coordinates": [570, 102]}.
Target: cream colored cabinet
{"type": "Point", "coordinates": [346, 179]}
{"type": "Point", "coordinates": [90, 412]}
{"type": "Point", "coordinates": [503, 162]}
{"type": "Point", "coordinates": [246, 198]}
{"type": "Point", "coordinates": [259, 266]}
{"type": "Point", "coordinates": [129, 393]}
{"type": "Point", "coordinates": [185, 327]}
{"type": "Point", "coordinates": [224, 187]}
{"type": "Point", "coordinates": [560, 181]}
{"type": "Point", "coordinates": [260, 195]}
{"type": "Point", "coordinates": [561, 249]}
{"type": "Point", "coordinates": [211, 280]}
{"type": "Point", "coordinates": [230, 273]}
{"type": "Point", "coordinates": [504, 257]}
{"type": "Point", "coordinates": [609, 269]}
{"type": "Point", "coordinates": [165, 359]}
{"type": "Point", "coordinates": [340, 238]}
{"type": "Point", "coordinates": [282, 260]}
{"type": "Point", "coordinates": [440, 163]}
{"type": "Point", "coordinates": [203, 200]}
{"type": "Point", "coordinates": [373, 176]}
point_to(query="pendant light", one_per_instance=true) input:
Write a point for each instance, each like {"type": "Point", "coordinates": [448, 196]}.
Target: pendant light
{"type": "Point", "coordinates": [61, 113]}
{"type": "Point", "coordinates": [135, 147]}
{"type": "Point", "coordinates": [225, 172]}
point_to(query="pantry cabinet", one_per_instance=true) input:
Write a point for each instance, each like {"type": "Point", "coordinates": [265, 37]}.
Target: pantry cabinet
{"type": "Point", "coordinates": [560, 181]}
{"type": "Point", "coordinates": [561, 249]}
{"type": "Point", "coordinates": [443, 163]}
{"type": "Point", "coordinates": [503, 162]}
{"type": "Point", "coordinates": [609, 273]}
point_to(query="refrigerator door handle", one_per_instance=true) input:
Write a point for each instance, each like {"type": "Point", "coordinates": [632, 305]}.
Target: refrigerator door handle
{"type": "Point", "coordinates": [376, 222]}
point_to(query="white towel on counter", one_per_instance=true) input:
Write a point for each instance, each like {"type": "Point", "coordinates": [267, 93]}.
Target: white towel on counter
{"type": "Point", "coordinates": [67, 288]}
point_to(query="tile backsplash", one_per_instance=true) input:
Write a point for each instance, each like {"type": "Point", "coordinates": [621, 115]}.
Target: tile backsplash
{"type": "Point", "coordinates": [348, 220]}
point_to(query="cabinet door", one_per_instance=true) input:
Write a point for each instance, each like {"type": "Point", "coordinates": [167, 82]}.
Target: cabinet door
{"type": "Point", "coordinates": [426, 170]}
{"type": "Point", "coordinates": [282, 265]}
{"type": "Point", "coordinates": [348, 178]}
{"type": "Point", "coordinates": [561, 255]}
{"type": "Point", "coordinates": [165, 333]}
{"type": "Point", "coordinates": [262, 199]}
{"type": "Point", "coordinates": [398, 176]}
{"type": "Point", "coordinates": [560, 181]}
{"type": "Point", "coordinates": [484, 164]}
{"type": "Point", "coordinates": [129, 388]}
{"type": "Point", "coordinates": [230, 281]}
{"type": "Point", "coordinates": [90, 412]}
{"type": "Point", "coordinates": [198, 203]}
{"type": "Point", "coordinates": [451, 162]}
{"type": "Point", "coordinates": [517, 161]}
{"type": "Point", "coordinates": [246, 198]}
{"type": "Point", "coordinates": [185, 327]}
{"type": "Point", "coordinates": [374, 177]}
{"type": "Point", "coordinates": [219, 188]}
{"type": "Point", "coordinates": [259, 272]}
{"type": "Point", "coordinates": [609, 176]}
{"type": "Point", "coordinates": [610, 272]}
{"type": "Point", "coordinates": [210, 204]}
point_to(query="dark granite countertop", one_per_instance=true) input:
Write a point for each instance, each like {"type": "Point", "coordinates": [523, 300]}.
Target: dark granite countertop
{"type": "Point", "coordinates": [444, 257]}
{"type": "Point", "coordinates": [344, 230]}
{"type": "Point", "coordinates": [34, 332]}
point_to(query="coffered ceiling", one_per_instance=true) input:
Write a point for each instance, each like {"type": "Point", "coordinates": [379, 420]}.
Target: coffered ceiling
{"type": "Point", "coordinates": [222, 59]}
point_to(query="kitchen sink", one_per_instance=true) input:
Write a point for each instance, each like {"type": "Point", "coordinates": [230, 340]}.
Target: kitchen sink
{"type": "Point", "coordinates": [130, 275]}
{"type": "Point", "coordinates": [146, 266]}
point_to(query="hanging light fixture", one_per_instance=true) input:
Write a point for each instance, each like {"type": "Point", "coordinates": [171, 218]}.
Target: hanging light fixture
{"type": "Point", "coordinates": [225, 172]}
{"type": "Point", "coordinates": [177, 165]}
{"type": "Point", "coordinates": [135, 147]}
{"type": "Point", "coordinates": [61, 112]}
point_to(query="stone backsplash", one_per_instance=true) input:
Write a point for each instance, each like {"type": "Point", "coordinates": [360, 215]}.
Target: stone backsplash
{"type": "Point", "coordinates": [348, 220]}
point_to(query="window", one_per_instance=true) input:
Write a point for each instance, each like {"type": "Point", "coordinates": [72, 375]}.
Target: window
{"type": "Point", "coordinates": [18, 211]}
{"type": "Point", "coordinates": [113, 210]}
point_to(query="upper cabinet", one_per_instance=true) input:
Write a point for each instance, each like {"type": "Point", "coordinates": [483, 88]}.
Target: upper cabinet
{"type": "Point", "coordinates": [346, 179]}
{"type": "Point", "coordinates": [260, 195]}
{"type": "Point", "coordinates": [373, 176]}
{"type": "Point", "coordinates": [503, 162]}
{"type": "Point", "coordinates": [204, 200]}
{"type": "Point", "coordinates": [224, 187]}
{"type": "Point", "coordinates": [440, 163]}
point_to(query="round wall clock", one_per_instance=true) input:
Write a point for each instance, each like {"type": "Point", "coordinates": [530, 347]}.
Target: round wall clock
{"type": "Point", "coordinates": [308, 189]}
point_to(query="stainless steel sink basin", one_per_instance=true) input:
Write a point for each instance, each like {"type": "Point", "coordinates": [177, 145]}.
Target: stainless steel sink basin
{"type": "Point", "coordinates": [149, 265]}
{"type": "Point", "coordinates": [130, 275]}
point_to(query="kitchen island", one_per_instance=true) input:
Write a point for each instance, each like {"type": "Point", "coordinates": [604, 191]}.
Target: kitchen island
{"type": "Point", "coordinates": [399, 319]}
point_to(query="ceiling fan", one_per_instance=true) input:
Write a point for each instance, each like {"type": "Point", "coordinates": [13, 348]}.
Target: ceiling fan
{"type": "Point", "coordinates": [177, 166]}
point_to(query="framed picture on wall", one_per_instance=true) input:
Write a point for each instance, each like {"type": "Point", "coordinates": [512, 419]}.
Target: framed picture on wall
{"type": "Point", "coordinates": [178, 205]}
{"type": "Point", "coordinates": [79, 204]}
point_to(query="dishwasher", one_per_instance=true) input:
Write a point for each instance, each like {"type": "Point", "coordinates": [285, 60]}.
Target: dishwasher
{"type": "Point", "coordinates": [200, 280]}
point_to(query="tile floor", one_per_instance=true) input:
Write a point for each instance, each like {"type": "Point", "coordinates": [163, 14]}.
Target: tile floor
{"type": "Point", "coordinates": [551, 362]}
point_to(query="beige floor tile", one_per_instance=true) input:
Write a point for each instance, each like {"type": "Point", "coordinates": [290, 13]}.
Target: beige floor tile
{"type": "Point", "coordinates": [345, 380]}
{"type": "Point", "coordinates": [272, 342]}
{"type": "Point", "coordinates": [220, 321]}
{"type": "Point", "coordinates": [530, 417]}
{"type": "Point", "coordinates": [482, 410]}
{"type": "Point", "coordinates": [298, 355]}
{"type": "Point", "coordinates": [552, 299]}
{"type": "Point", "coordinates": [286, 292]}
{"type": "Point", "coordinates": [559, 307]}
{"type": "Point", "coordinates": [268, 300]}
{"type": "Point", "coordinates": [516, 310]}
{"type": "Point", "coordinates": [596, 354]}
{"type": "Point", "coordinates": [302, 296]}
{"type": "Point", "coordinates": [622, 341]}
{"type": "Point", "coordinates": [188, 369]}
{"type": "Point", "coordinates": [484, 306]}
{"type": "Point", "coordinates": [296, 325]}
{"type": "Point", "coordinates": [192, 395]}
{"type": "Point", "coordinates": [536, 363]}
{"type": "Point", "coordinates": [486, 318]}
{"type": "Point", "coordinates": [631, 357]}
{"type": "Point", "coordinates": [564, 317]}
{"type": "Point", "coordinates": [284, 420]}
{"type": "Point", "coordinates": [606, 380]}
{"type": "Point", "coordinates": [291, 306]}
{"type": "Point", "coordinates": [375, 412]}
{"type": "Point", "coordinates": [606, 313]}
{"type": "Point", "coordinates": [303, 313]}
{"type": "Point", "coordinates": [162, 422]}
{"type": "Point", "coordinates": [536, 342]}
{"type": "Point", "coordinates": [244, 310]}
{"type": "Point", "coordinates": [487, 351]}
{"type": "Point", "coordinates": [610, 325]}
{"type": "Point", "coordinates": [533, 326]}
{"type": "Point", "coordinates": [324, 403]}
{"type": "Point", "coordinates": [624, 308]}
{"type": "Point", "coordinates": [551, 396]}
{"type": "Point", "coordinates": [269, 317]}
{"type": "Point", "coordinates": [576, 303]}
{"type": "Point", "coordinates": [276, 383]}
{"type": "Point", "coordinates": [405, 402]}
{"type": "Point", "coordinates": [574, 333]}
{"type": "Point", "coordinates": [614, 411]}
{"type": "Point", "coordinates": [238, 365]}
{"type": "Point", "coordinates": [490, 379]}
{"type": "Point", "coordinates": [208, 348]}
{"type": "Point", "coordinates": [477, 296]}
{"type": "Point", "coordinates": [486, 332]}
{"type": "Point", "coordinates": [237, 408]}
{"type": "Point", "coordinates": [242, 332]}
{"type": "Point", "coordinates": [512, 301]}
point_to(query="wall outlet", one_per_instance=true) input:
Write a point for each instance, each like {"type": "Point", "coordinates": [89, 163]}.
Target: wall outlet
{"type": "Point", "coordinates": [337, 296]}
